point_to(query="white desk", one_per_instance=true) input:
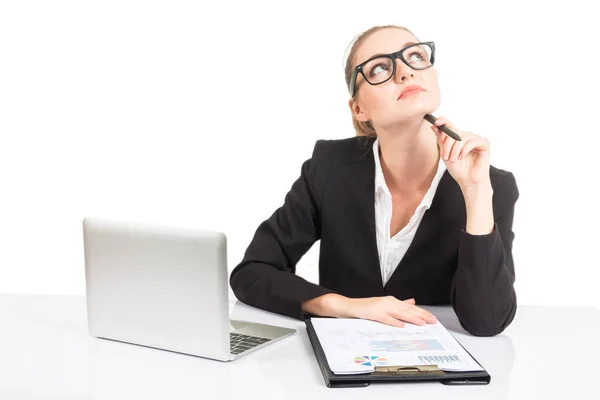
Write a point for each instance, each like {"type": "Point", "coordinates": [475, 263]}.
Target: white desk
{"type": "Point", "coordinates": [46, 353]}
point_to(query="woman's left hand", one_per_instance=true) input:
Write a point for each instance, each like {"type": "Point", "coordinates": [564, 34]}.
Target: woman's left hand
{"type": "Point", "coordinates": [468, 161]}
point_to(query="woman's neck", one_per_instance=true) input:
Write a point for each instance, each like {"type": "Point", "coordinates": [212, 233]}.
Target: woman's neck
{"type": "Point", "coordinates": [409, 156]}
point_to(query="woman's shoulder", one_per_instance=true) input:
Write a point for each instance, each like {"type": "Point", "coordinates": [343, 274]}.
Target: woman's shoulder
{"type": "Point", "coordinates": [342, 151]}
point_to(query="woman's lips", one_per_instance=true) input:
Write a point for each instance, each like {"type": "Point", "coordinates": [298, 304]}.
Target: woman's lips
{"type": "Point", "coordinates": [410, 92]}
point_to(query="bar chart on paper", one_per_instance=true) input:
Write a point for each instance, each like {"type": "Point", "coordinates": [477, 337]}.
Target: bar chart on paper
{"type": "Point", "coordinates": [358, 346]}
{"type": "Point", "coordinates": [406, 345]}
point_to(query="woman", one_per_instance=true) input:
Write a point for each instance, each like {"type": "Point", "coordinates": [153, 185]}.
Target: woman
{"type": "Point", "coordinates": [405, 214]}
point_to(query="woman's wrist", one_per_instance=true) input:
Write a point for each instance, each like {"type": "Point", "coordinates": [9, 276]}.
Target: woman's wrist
{"type": "Point", "coordinates": [328, 305]}
{"type": "Point", "coordinates": [480, 213]}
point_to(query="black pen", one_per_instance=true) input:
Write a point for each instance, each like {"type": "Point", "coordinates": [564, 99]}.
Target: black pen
{"type": "Point", "coordinates": [430, 118]}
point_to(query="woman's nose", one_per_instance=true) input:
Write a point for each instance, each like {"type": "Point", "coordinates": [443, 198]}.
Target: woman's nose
{"type": "Point", "coordinates": [402, 71]}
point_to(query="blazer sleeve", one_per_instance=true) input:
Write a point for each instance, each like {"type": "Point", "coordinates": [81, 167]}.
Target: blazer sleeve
{"type": "Point", "coordinates": [265, 278]}
{"type": "Point", "coordinates": [482, 293]}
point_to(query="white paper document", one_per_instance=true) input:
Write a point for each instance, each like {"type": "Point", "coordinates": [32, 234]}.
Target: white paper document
{"type": "Point", "coordinates": [354, 346]}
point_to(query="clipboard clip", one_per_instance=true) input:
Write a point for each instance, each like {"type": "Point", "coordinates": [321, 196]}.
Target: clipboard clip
{"type": "Point", "coordinates": [409, 370]}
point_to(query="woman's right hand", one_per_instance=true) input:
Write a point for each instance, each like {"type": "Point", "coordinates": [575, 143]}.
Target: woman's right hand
{"type": "Point", "coordinates": [389, 310]}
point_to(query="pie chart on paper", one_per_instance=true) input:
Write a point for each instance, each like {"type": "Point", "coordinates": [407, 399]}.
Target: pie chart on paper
{"type": "Point", "coordinates": [370, 361]}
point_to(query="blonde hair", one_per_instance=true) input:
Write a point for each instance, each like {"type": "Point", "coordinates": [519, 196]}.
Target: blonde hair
{"type": "Point", "coordinates": [363, 128]}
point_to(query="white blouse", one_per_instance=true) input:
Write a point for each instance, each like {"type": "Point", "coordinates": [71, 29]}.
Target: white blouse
{"type": "Point", "coordinates": [391, 250]}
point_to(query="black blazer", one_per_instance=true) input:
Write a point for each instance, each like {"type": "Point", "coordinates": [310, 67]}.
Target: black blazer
{"type": "Point", "coordinates": [334, 200]}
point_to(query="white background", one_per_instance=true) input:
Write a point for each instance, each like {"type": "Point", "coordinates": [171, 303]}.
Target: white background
{"type": "Point", "coordinates": [183, 113]}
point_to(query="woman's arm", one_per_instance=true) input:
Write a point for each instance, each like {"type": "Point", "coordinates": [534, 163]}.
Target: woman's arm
{"type": "Point", "coordinates": [265, 278]}
{"type": "Point", "coordinates": [482, 293]}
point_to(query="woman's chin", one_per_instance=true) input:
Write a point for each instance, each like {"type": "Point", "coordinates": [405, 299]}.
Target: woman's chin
{"type": "Point", "coordinates": [418, 109]}
{"type": "Point", "coordinates": [417, 112]}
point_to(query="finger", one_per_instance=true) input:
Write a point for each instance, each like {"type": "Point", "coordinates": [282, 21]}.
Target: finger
{"type": "Point", "coordinates": [439, 133]}
{"type": "Point", "coordinates": [389, 320]}
{"type": "Point", "coordinates": [419, 318]}
{"type": "Point", "coordinates": [458, 146]}
{"type": "Point", "coordinates": [405, 314]}
{"type": "Point", "coordinates": [476, 143]}
{"type": "Point", "coordinates": [426, 316]}
{"type": "Point", "coordinates": [423, 313]}
{"type": "Point", "coordinates": [445, 121]}
{"type": "Point", "coordinates": [410, 313]}
{"type": "Point", "coordinates": [441, 120]}
{"type": "Point", "coordinates": [440, 136]}
{"type": "Point", "coordinates": [447, 148]}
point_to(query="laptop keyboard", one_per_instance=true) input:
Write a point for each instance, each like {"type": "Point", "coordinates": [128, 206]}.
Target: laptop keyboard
{"type": "Point", "coordinates": [239, 343]}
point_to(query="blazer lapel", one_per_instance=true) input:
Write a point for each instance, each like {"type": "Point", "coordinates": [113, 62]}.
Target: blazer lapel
{"type": "Point", "coordinates": [362, 173]}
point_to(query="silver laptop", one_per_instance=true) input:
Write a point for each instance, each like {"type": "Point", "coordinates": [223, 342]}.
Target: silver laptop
{"type": "Point", "coordinates": [165, 287]}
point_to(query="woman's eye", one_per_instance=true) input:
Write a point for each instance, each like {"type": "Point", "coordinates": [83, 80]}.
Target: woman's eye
{"type": "Point", "coordinates": [416, 56]}
{"type": "Point", "coordinates": [378, 69]}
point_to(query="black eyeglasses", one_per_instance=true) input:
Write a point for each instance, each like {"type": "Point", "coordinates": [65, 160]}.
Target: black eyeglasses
{"type": "Point", "coordinates": [379, 69]}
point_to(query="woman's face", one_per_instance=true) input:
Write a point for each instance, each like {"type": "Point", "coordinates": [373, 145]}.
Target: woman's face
{"type": "Point", "coordinates": [383, 104]}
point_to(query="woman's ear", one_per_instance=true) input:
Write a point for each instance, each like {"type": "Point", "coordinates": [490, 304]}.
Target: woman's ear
{"type": "Point", "coordinates": [357, 111]}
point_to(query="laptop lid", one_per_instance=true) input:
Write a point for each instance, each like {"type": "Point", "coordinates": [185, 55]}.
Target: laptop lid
{"type": "Point", "coordinates": [159, 286]}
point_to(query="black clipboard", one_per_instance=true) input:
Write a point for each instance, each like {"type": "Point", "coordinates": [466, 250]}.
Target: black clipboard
{"type": "Point", "coordinates": [398, 374]}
